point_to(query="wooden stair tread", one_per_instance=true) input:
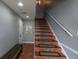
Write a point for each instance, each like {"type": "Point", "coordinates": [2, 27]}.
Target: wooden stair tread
{"type": "Point", "coordinates": [49, 54]}
{"type": "Point", "coordinates": [47, 49]}
{"type": "Point", "coordinates": [53, 43]}
{"type": "Point", "coordinates": [47, 37]}
{"type": "Point", "coordinates": [45, 57]}
{"type": "Point", "coordinates": [41, 25]}
{"type": "Point", "coordinates": [47, 34]}
{"type": "Point", "coordinates": [40, 57]}
{"type": "Point", "coordinates": [42, 30]}
{"type": "Point", "coordinates": [46, 45]}
{"type": "Point", "coordinates": [46, 40]}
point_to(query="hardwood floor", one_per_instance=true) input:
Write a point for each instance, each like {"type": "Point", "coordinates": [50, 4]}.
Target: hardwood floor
{"type": "Point", "coordinates": [27, 52]}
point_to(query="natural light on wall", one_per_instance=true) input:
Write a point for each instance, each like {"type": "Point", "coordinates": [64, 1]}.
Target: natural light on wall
{"type": "Point", "coordinates": [45, 2]}
{"type": "Point", "coordinates": [28, 27]}
{"type": "Point", "coordinates": [38, 2]}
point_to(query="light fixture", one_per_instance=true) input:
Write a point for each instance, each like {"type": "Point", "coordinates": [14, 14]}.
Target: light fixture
{"type": "Point", "coordinates": [38, 2]}
{"type": "Point", "coordinates": [27, 16]}
{"type": "Point", "coordinates": [20, 4]}
{"type": "Point", "coordinates": [45, 2]}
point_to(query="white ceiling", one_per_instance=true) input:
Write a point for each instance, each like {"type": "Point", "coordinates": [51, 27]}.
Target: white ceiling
{"type": "Point", "coordinates": [29, 7]}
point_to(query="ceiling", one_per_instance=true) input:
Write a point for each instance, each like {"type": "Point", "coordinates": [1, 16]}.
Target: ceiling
{"type": "Point", "coordinates": [27, 10]}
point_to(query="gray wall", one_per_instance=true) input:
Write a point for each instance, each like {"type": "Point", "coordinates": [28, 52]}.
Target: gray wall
{"type": "Point", "coordinates": [9, 29]}
{"type": "Point", "coordinates": [65, 12]}
{"type": "Point", "coordinates": [29, 31]}
{"type": "Point", "coordinates": [29, 7]}
{"type": "Point", "coordinates": [21, 29]}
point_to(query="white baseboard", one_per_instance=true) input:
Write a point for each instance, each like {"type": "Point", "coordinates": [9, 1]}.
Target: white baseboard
{"type": "Point", "coordinates": [28, 42]}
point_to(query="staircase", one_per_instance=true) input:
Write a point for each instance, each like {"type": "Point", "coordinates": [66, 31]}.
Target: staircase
{"type": "Point", "coordinates": [46, 46]}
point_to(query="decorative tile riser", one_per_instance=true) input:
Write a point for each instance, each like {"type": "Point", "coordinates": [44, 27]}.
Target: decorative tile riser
{"type": "Point", "coordinates": [53, 43]}
{"type": "Point", "coordinates": [37, 37]}
{"type": "Point", "coordinates": [37, 49]}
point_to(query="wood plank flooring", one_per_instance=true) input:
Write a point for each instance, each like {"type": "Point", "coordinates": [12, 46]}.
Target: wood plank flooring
{"type": "Point", "coordinates": [27, 52]}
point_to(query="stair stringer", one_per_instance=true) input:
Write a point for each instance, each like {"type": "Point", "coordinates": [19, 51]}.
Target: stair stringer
{"type": "Point", "coordinates": [59, 43]}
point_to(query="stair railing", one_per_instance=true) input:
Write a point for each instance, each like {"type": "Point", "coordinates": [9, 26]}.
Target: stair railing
{"type": "Point", "coordinates": [69, 33]}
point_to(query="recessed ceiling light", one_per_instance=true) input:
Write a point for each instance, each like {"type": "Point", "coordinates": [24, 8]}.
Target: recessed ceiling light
{"type": "Point", "coordinates": [27, 16]}
{"type": "Point", "coordinates": [20, 4]}
{"type": "Point", "coordinates": [38, 2]}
